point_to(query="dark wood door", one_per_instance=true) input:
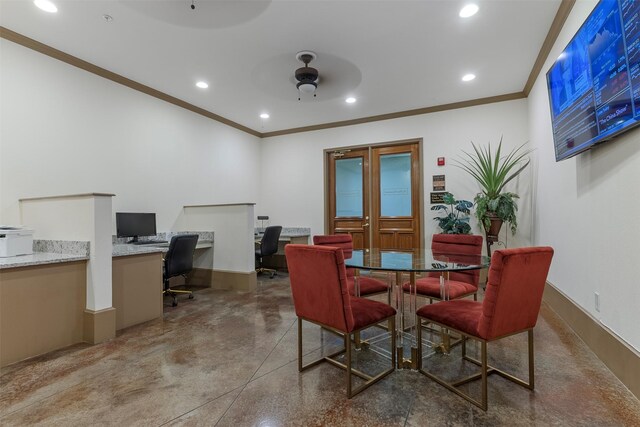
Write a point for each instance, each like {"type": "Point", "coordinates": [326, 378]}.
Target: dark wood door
{"type": "Point", "coordinates": [395, 192]}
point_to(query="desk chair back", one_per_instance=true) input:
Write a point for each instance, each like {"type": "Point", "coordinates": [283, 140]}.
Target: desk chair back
{"type": "Point", "coordinates": [269, 242]}
{"type": "Point", "coordinates": [319, 285]}
{"type": "Point", "coordinates": [450, 245]}
{"type": "Point", "coordinates": [179, 257]}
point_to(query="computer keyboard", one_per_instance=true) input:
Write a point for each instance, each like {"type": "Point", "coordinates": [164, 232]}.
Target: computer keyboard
{"type": "Point", "coordinates": [150, 242]}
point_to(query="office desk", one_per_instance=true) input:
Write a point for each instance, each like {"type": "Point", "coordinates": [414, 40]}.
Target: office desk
{"type": "Point", "coordinates": [278, 260]}
{"type": "Point", "coordinates": [137, 281]}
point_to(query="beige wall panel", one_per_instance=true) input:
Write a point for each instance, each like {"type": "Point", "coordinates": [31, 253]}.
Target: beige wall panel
{"type": "Point", "coordinates": [41, 309]}
{"type": "Point", "coordinates": [137, 289]}
{"type": "Point", "coordinates": [99, 326]}
{"type": "Point", "coordinates": [233, 280]}
{"type": "Point", "coordinates": [623, 361]}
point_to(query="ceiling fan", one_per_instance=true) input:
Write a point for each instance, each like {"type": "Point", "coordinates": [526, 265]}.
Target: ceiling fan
{"type": "Point", "coordinates": [306, 76]}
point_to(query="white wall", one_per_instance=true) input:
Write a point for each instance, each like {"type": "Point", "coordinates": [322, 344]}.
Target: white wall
{"type": "Point", "coordinates": [292, 183]}
{"type": "Point", "coordinates": [587, 209]}
{"type": "Point", "coordinates": [234, 240]}
{"type": "Point", "coordinates": [66, 131]}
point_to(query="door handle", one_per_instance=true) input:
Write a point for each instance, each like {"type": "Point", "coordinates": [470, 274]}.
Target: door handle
{"type": "Point", "coordinates": [365, 225]}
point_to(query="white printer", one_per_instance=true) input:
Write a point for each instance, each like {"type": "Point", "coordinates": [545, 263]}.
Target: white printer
{"type": "Point", "coordinates": [15, 241]}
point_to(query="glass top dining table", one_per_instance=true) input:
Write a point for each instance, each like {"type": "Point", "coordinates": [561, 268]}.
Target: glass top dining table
{"type": "Point", "coordinates": [417, 261]}
{"type": "Point", "coordinates": [412, 263]}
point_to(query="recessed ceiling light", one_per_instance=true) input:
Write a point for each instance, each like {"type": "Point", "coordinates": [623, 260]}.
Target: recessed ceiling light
{"type": "Point", "coordinates": [350, 100]}
{"type": "Point", "coordinates": [202, 85]}
{"type": "Point", "coordinates": [469, 10]}
{"type": "Point", "coordinates": [46, 5]}
{"type": "Point", "coordinates": [264, 116]}
{"type": "Point", "coordinates": [468, 77]}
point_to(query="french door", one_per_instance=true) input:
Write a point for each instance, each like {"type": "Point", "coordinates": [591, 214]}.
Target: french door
{"type": "Point", "coordinates": [374, 195]}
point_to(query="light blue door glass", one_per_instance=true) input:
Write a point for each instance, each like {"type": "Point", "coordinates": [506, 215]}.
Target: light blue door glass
{"type": "Point", "coordinates": [395, 184]}
{"type": "Point", "coordinates": [349, 187]}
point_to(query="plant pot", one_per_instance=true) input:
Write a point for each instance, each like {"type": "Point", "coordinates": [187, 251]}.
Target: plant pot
{"type": "Point", "coordinates": [494, 230]}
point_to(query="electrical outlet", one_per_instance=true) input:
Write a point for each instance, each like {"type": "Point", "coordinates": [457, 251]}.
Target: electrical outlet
{"type": "Point", "coordinates": [597, 301]}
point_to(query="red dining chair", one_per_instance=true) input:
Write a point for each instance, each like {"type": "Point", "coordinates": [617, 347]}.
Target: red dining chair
{"type": "Point", "coordinates": [511, 305]}
{"type": "Point", "coordinates": [368, 285]}
{"type": "Point", "coordinates": [320, 295]}
{"type": "Point", "coordinates": [460, 284]}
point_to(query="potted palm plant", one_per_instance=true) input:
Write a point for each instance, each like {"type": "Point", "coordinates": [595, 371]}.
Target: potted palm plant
{"type": "Point", "coordinates": [456, 218]}
{"type": "Point", "coordinates": [493, 171]}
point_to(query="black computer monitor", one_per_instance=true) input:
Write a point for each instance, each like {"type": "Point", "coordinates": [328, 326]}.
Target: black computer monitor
{"type": "Point", "coordinates": [129, 224]}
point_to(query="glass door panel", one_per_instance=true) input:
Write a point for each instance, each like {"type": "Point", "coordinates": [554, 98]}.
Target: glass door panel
{"type": "Point", "coordinates": [395, 185]}
{"type": "Point", "coordinates": [349, 201]}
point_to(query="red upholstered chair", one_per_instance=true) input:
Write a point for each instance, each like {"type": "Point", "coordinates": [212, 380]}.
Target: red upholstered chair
{"type": "Point", "coordinates": [460, 284]}
{"type": "Point", "coordinates": [368, 285]}
{"type": "Point", "coordinates": [510, 306]}
{"type": "Point", "coordinates": [320, 295]}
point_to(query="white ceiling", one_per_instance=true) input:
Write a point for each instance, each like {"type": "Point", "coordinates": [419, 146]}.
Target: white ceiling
{"type": "Point", "coordinates": [391, 55]}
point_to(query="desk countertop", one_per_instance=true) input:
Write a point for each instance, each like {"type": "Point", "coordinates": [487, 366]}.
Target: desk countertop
{"type": "Point", "coordinates": [39, 258]}
{"type": "Point", "coordinates": [127, 249]}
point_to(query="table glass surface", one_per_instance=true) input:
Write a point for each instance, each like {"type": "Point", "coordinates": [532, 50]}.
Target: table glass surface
{"type": "Point", "coordinates": [418, 260]}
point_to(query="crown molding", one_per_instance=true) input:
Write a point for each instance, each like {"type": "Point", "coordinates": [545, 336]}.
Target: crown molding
{"type": "Point", "coordinates": [556, 26]}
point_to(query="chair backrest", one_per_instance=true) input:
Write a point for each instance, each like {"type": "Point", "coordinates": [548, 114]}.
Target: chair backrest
{"type": "Point", "coordinates": [458, 244]}
{"type": "Point", "coordinates": [319, 285]}
{"type": "Point", "coordinates": [514, 290]}
{"type": "Point", "coordinates": [269, 242]}
{"type": "Point", "coordinates": [342, 241]}
{"type": "Point", "coordinates": [179, 258]}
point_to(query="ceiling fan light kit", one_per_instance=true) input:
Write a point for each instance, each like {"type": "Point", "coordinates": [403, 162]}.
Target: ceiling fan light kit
{"type": "Point", "coordinates": [306, 76]}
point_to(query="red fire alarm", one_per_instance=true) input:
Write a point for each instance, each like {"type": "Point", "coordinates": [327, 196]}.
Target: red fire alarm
{"type": "Point", "coordinates": [440, 161]}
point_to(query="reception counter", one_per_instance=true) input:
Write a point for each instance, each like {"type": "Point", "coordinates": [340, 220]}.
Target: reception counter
{"type": "Point", "coordinates": [42, 300]}
{"type": "Point", "coordinates": [137, 278]}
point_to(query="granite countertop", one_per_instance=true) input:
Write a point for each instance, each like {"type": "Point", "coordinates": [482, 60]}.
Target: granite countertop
{"type": "Point", "coordinates": [125, 249]}
{"type": "Point", "coordinates": [288, 232]}
{"type": "Point", "coordinates": [39, 258]}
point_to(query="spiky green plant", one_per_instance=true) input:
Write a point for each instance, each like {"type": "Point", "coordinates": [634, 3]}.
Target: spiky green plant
{"type": "Point", "coordinates": [493, 171]}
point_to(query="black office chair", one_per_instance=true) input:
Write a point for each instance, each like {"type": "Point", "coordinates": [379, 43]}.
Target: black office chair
{"type": "Point", "coordinates": [178, 261]}
{"type": "Point", "coordinates": [268, 246]}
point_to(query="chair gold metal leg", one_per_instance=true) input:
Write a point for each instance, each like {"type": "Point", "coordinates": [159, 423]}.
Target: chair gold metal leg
{"type": "Point", "coordinates": [419, 339]}
{"type": "Point", "coordinates": [347, 345]}
{"type": "Point", "coordinates": [483, 346]}
{"type": "Point", "coordinates": [531, 360]}
{"type": "Point", "coordinates": [299, 344]}
{"type": "Point", "coordinates": [347, 366]}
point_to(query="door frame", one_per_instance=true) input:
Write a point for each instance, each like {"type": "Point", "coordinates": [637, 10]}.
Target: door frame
{"type": "Point", "coordinates": [328, 151]}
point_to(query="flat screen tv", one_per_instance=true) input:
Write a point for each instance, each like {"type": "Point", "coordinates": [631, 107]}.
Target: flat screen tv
{"type": "Point", "coordinates": [130, 224]}
{"type": "Point", "coordinates": [594, 85]}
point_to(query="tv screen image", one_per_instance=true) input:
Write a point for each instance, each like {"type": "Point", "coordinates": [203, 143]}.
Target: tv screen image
{"type": "Point", "coordinates": [594, 85]}
{"type": "Point", "coordinates": [129, 224]}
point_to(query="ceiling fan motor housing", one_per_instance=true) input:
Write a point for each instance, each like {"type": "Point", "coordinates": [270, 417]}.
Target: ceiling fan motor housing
{"type": "Point", "coordinates": [306, 75]}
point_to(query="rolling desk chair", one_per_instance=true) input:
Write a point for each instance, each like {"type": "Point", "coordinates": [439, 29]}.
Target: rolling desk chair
{"type": "Point", "coordinates": [178, 261]}
{"type": "Point", "coordinates": [267, 246]}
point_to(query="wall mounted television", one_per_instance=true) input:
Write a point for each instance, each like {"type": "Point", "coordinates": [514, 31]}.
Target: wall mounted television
{"type": "Point", "coordinates": [594, 85]}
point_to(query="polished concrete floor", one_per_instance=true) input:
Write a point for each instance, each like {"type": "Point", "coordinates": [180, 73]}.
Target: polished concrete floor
{"type": "Point", "coordinates": [229, 359]}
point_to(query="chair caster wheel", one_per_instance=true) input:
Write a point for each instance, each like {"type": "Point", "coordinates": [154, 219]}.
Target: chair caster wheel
{"type": "Point", "coordinates": [190, 296]}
